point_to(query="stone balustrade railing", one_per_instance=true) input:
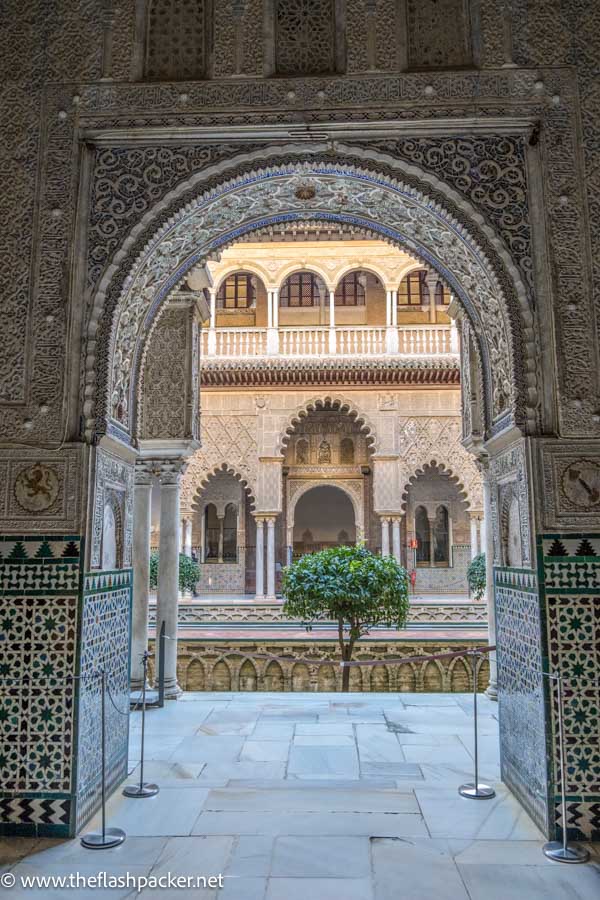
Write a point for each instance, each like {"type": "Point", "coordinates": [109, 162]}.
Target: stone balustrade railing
{"type": "Point", "coordinates": [343, 340]}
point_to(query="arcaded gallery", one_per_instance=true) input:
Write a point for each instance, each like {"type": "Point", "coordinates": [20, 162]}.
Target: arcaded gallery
{"type": "Point", "coordinates": [300, 449]}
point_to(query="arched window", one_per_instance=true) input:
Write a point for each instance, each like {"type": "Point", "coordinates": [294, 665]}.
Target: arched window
{"type": "Point", "coordinates": [230, 533]}
{"type": "Point", "coordinates": [211, 533]}
{"type": "Point", "coordinates": [302, 452]}
{"type": "Point", "coordinates": [413, 289]}
{"type": "Point", "coordinates": [237, 292]}
{"type": "Point", "coordinates": [305, 34]}
{"type": "Point", "coordinates": [441, 537]}
{"type": "Point", "coordinates": [347, 451]}
{"type": "Point", "coordinates": [423, 536]}
{"type": "Point", "coordinates": [301, 289]}
{"type": "Point", "coordinates": [176, 40]}
{"type": "Point", "coordinates": [351, 291]}
{"type": "Point", "coordinates": [442, 294]}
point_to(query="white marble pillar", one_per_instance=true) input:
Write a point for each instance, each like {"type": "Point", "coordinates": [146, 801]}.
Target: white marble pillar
{"type": "Point", "coordinates": [332, 337]}
{"type": "Point", "coordinates": [221, 522]}
{"type": "Point", "coordinates": [474, 534]}
{"type": "Point", "coordinates": [396, 552]}
{"type": "Point", "coordinates": [391, 321]}
{"type": "Point", "coordinates": [431, 541]}
{"type": "Point", "coordinates": [482, 527]}
{"type": "Point", "coordinates": [142, 518]}
{"type": "Point", "coordinates": [385, 536]}
{"type": "Point", "coordinates": [260, 562]}
{"type": "Point", "coordinates": [272, 318]}
{"type": "Point", "coordinates": [181, 534]}
{"type": "Point", "coordinates": [271, 558]}
{"type": "Point", "coordinates": [168, 570]}
{"type": "Point", "coordinates": [488, 546]}
{"type": "Point", "coordinates": [212, 330]}
{"type": "Point", "coordinates": [187, 537]}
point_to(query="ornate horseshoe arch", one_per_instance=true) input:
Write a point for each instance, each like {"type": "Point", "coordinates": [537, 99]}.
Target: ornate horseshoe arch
{"type": "Point", "coordinates": [403, 209]}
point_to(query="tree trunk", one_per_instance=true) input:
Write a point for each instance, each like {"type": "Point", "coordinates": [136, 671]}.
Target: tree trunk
{"type": "Point", "coordinates": [344, 654]}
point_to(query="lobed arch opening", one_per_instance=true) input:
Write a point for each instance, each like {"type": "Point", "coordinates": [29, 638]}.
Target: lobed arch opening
{"type": "Point", "coordinates": [458, 253]}
{"type": "Point", "coordinates": [335, 404]}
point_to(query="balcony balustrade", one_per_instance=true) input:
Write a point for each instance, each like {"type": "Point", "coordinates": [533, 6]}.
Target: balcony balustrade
{"type": "Point", "coordinates": [344, 340]}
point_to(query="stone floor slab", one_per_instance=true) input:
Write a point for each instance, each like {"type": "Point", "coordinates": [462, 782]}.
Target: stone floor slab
{"type": "Point", "coordinates": [319, 856]}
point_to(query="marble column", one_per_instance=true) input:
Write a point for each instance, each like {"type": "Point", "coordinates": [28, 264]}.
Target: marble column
{"type": "Point", "coordinates": [474, 531]}
{"type": "Point", "coordinates": [396, 552]}
{"type": "Point", "coordinates": [385, 536]}
{"type": "Point", "coordinates": [212, 332]}
{"type": "Point", "coordinates": [482, 533]}
{"type": "Point", "coordinates": [221, 522]}
{"type": "Point", "coordinates": [168, 570]}
{"type": "Point", "coordinates": [181, 534]}
{"type": "Point", "coordinates": [271, 558]}
{"type": "Point", "coordinates": [260, 562]}
{"type": "Point", "coordinates": [187, 537]}
{"type": "Point", "coordinates": [332, 336]}
{"type": "Point", "coordinates": [272, 322]}
{"type": "Point", "coordinates": [142, 518]}
{"type": "Point", "coordinates": [488, 547]}
{"type": "Point", "coordinates": [391, 321]}
{"type": "Point", "coordinates": [431, 541]}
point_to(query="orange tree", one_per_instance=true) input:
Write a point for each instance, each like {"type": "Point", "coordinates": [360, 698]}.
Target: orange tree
{"type": "Point", "coordinates": [351, 586]}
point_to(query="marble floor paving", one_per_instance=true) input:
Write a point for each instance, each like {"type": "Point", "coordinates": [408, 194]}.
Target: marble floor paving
{"type": "Point", "coordinates": [324, 796]}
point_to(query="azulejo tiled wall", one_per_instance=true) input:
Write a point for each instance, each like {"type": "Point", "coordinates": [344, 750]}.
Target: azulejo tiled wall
{"type": "Point", "coordinates": [105, 629]}
{"type": "Point", "coordinates": [521, 689]}
{"type": "Point", "coordinates": [39, 592]}
{"type": "Point", "coordinates": [46, 710]}
{"type": "Point", "coordinates": [569, 571]}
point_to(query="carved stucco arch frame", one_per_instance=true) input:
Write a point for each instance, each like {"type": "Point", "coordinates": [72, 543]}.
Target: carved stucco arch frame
{"type": "Point", "coordinates": [314, 484]}
{"type": "Point", "coordinates": [339, 404]}
{"type": "Point", "coordinates": [224, 468]}
{"type": "Point", "coordinates": [467, 494]}
{"type": "Point", "coordinates": [111, 301]}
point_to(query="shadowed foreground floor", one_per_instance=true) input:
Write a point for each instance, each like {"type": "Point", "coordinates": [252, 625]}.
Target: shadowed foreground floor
{"type": "Point", "coordinates": [320, 796]}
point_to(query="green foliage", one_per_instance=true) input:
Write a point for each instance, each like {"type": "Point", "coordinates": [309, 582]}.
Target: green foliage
{"type": "Point", "coordinates": [154, 570]}
{"type": "Point", "coordinates": [350, 585]}
{"type": "Point", "coordinates": [189, 572]}
{"type": "Point", "coordinates": [476, 576]}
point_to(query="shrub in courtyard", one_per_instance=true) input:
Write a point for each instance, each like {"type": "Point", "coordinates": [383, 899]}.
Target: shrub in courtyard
{"type": "Point", "coordinates": [189, 572]}
{"type": "Point", "coordinates": [351, 586]}
{"type": "Point", "coordinates": [476, 576]}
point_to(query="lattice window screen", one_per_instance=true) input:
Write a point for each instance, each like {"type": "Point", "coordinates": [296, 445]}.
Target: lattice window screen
{"type": "Point", "coordinates": [439, 33]}
{"type": "Point", "coordinates": [305, 37]}
{"type": "Point", "coordinates": [176, 40]}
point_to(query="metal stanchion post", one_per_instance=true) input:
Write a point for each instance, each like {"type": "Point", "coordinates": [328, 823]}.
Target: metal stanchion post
{"type": "Point", "coordinates": [562, 851]}
{"type": "Point", "coordinates": [142, 789]}
{"type": "Point", "coordinates": [161, 667]}
{"type": "Point", "coordinates": [476, 791]}
{"type": "Point", "coordinates": [108, 837]}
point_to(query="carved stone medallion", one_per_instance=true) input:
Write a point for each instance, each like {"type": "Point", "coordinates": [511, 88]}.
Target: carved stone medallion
{"type": "Point", "coordinates": [36, 488]}
{"type": "Point", "coordinates": [580, 483]}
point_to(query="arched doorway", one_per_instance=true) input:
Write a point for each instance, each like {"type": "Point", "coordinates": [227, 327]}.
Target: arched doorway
{"type": "Point", "coordinates": [501, 372]}
{"type": "Point", "coordinates": [323, 517]}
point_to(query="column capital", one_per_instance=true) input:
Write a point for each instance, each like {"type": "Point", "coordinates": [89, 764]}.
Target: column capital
{"type": "Point", "coordinates": [169, 471]}
{"type": "Point", "coordinates": [143, 473]}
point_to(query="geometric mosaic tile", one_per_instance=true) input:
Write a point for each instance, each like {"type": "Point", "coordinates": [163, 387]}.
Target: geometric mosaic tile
{"type": "Point", "coordinates": [570, 577]}
{"type": "Point", "coordinates": [39, 588]}
{"type": "Point", "coordinates": [105, 629]}
{"type": "Point", "coordinates": [521, 692]}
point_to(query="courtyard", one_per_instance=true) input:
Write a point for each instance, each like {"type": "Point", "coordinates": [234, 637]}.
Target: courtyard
{"type": "Point", "coordinates": [322, 796]}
